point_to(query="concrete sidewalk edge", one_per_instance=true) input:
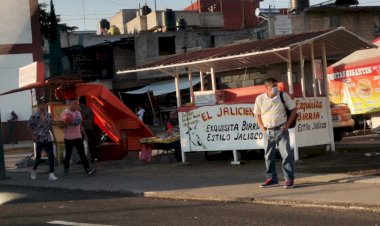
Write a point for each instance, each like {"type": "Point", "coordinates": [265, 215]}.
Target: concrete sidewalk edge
{"type": "Point", "coordinates": [215, 198]}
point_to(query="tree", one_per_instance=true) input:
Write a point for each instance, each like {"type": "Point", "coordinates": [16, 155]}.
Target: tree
{"type": "Point", "coordinates": [53, 19]}
{"type": "Point", "coordinates": [50, 29]}
{"type": "Point", "coordinates": [49, 22]}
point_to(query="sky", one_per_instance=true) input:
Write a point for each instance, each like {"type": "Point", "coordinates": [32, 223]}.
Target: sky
{"type": "Point", "coordinates": [85, 14]}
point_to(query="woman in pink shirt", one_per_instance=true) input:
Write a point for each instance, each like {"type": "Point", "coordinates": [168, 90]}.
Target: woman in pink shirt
{"type": "Point", "coordinates": [73, 130]}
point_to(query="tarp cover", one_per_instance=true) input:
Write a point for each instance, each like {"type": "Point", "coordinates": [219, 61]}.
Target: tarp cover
{"type": "Point", "coordinates": [164, 87]}
{"type": "Point", "coordinates": [109, 111]}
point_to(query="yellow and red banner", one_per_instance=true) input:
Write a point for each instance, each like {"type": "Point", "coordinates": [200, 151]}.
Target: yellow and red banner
{"type": "Point", "coordinates": [356, 84]}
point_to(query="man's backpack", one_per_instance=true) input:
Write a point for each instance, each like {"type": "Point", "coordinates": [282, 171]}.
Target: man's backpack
{"type": "Point", "coordinates": [294, 122]}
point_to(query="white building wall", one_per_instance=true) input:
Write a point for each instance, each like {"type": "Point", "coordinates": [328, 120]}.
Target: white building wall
{"type": "Point", "coordinates": [19, 102]}
{"type": "Point", "coordinates": [16, 27]}
{"type": "Point", "coordinates": [15, 22]}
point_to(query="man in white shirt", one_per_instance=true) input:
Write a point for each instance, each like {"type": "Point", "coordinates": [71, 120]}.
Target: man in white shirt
{"type": "Point", "coordinates": [140, 113]}
{"type": "Point", "coordinates": [271, 116]}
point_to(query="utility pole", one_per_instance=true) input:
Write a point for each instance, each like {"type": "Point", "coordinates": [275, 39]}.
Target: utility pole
{"type": "Point", "coordinates": [2, 162]}
{"type": "Point", "coordinates": [84, 16]}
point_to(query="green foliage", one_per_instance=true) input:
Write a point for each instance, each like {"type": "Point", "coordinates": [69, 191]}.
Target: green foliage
{"type": "Point", "coordinates": [49, 22]}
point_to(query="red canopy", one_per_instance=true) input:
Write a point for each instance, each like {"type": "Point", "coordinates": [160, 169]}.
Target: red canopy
{"type": "Point", "coordinates": [110, 114]}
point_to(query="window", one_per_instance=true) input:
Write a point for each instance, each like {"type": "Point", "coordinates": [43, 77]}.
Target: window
{"type": "Point", "coordinates": [334, 21]}
{"type": "Point", "coordinates": [166, 45]}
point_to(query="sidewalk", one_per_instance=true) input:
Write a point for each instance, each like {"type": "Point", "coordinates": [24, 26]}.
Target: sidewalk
{"type": "Point", "coordinates": [343, 179]}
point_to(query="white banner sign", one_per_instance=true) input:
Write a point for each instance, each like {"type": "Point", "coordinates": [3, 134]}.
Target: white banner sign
{"type": "Point", "coordinates": [31, 73]}
{"type": "Point", "coordinates": [312, 121]}
{"type": "Point", "coordinates": [234, 127]}
{"type": "Point", "coordinates": [220, 127]}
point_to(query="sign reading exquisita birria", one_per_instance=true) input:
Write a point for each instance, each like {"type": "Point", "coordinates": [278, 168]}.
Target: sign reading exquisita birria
{"type": "Point", "coordinates": [220, 127]}
{"type": "Point", "coordinates": [234, 127]}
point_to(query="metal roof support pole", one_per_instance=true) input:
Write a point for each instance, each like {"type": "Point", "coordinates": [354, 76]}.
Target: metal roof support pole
{"type": "Point", "coordinates": [290, 73]}
{"type": "Point", "coordinates": [213, 82]}
{"type": "Point", "coordinates": [330, 123]}
{"type": "Point", "coordinates": [2, 161]}
{"type": "Point", "coordinates": [177, 90]}
{"type": "Point", "coordinates": [313, 69]}
{"type": "Point", "coordinates": [201, 80]}
{"type": "Point", "coordinates": [302, 69]}
{"type": "Point", "coordinates": [191, 86]}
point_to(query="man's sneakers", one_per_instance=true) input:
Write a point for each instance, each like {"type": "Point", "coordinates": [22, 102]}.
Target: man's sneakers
{"type": "Point", "coordinates": [270, 182]}
{"type": "Point", "coordinates": [33, 175]}
{"type": "Point", "coordinates": [52, 176]}
{"type": "Point", "coordinates": [89, 172]}
{"type": "Point", "coordinates": [289, 184]}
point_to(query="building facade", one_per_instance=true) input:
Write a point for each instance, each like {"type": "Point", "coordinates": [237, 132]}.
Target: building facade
{"type": "Point", "coordinates": [20, 45]}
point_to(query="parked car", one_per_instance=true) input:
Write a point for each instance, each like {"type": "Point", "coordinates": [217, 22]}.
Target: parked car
{"type": "Point", "coordinates": [342, 120]}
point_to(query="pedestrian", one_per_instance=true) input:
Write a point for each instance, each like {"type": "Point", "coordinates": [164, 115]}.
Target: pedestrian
{"type": "Point", "coordinates": [140, 113]}
{"type": "Point", "coordinates": [172, 125]}
{"type": "Point", "coordinates": [171, 128]}
{"type": "Point", "coordinates": [88, 125]}
{"type": "Point", "coordinates": [41, 125]}
{"type": "Point", "coordinates": [12, 123]}
{"type": "Point", "coordinates": [271, 116]}
{"type": "Point", "coordinates": [73, 136]}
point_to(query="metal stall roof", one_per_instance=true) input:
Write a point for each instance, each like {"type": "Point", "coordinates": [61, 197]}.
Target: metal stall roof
{"type": "Point", "coordinates": [338, 42]}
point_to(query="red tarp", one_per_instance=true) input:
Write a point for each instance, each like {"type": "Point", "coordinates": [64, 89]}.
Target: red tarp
{"type": "Point", "coordinates": [247, 94]}
{"type": "Point", "coordinates": [109, 112]}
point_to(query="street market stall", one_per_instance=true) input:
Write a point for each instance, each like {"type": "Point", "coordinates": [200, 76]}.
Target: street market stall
{"type": "Point", "coordinates": [223, 120]}
{"type": "Point", "coordinates": [111, 116]}
{"type": "Point", "coordinates": [354, 80]}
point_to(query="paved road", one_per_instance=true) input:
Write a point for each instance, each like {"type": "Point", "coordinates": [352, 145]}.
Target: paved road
{"type": "Point", "coordinates": [27, 206]}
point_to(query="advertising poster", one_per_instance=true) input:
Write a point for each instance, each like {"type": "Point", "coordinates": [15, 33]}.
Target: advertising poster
{"type": "Point", "coordinates": [358, 87]}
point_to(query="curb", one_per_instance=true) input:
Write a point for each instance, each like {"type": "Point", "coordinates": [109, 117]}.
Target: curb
{"type": "Point", "coordinates": [214, 198]}
{"type": "Point", "coordinates": [308, 204]}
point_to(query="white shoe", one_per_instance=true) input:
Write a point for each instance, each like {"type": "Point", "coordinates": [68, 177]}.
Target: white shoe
{"type": "Point", "coordinates": [52, 176]}
{"type": "Point", "coordinates": [33, 175]}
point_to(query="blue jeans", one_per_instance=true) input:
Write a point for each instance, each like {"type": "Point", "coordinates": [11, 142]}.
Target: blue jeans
{"type": "Point", "coordinates": [48, 146]}
{"type": "Point", "coordinates": [277, 139]}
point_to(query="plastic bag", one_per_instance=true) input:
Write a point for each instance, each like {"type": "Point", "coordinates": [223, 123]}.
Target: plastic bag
{"type": "Point", "coordinates": [85, 144]}
{"type": "Point", "coordinates": [146, 153]}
